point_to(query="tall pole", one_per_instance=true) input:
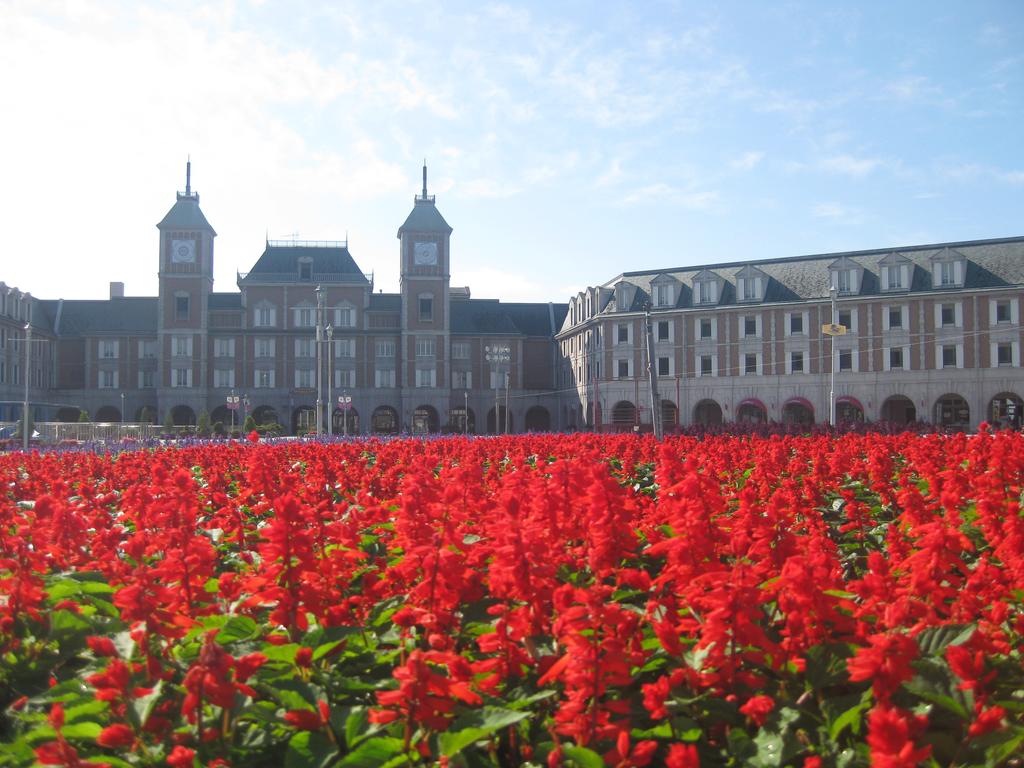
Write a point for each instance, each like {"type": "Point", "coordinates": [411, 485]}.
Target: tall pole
{"type": "Point", "coordinates": [508, 384]}
{"type": "Point", "coordinates": [319, 359]}
{"type": "Point", "coordinates": [465, 414]}
{"type": "Point", "coordinates": [330, 381]}
{"type": "Point", "coordinates": [832, 352]}
{"type": "Point", "coordinates": [652, 373]}
{"type": "Point", "coordinates": [26, 429]}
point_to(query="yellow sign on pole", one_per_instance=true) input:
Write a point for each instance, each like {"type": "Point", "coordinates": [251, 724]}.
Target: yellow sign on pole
{"type": "Point", "coordinates": [833, 329]}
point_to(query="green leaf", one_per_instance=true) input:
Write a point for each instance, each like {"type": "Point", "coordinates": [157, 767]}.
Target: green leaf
{"type": "Point", "coordinates": [355, 724]}
{"type": "Point", "coordinates": [307, 749]}
{"type": "Point", "coordinates": [851, 718]}
{"type": "Point", "coordinates": [583, 757]}
{"type": "Point", "coordinates": [94, 707]}
{"type": "Point", "coordinates": [238, 628]}
{"type": "Point", "coordinates": [65, 624]}
{"type": "Point", "coordinates": [477, 725]}
{"type": "Point", "coordinates": [372, 753]}
{"type": "Point", "coordinates": [935, 640]}
{"type": "Point", "coordinates": [83, 730]}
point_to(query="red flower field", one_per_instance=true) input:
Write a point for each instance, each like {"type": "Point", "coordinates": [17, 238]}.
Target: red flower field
{"type": "Point", "coordinates": [548, 600]}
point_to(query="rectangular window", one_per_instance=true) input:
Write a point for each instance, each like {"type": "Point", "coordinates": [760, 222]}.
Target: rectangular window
{"type": "Point", "coordinates": [426, 377]}
{"type": "Point", "coordinates": [705, 328]}
{"type": "Point", "coordinates": [304, 317]}
{"type": "Point", "coordinates": [750, 364]}
{"type": "Point", "coordinates": [304, 348]}
{"type": "Point", "coordinates": [749, 291]}
{"type": "Point", "coordinates": [895, 275]}
{"type": "Point", "coordinates": [344, 377]}
{"type": "Point", "coordinates": [1003, 313]}
{"type": "Point", "coordinates": [223, 378]}
{"type": "Point", "coordinates": [664, 368]}
{"type": "Point", "coordinates": [384, 377]}
{"type": "Point", "coordinates": [385, 349]}
{"type": "Point", "coordinates": [305, 270]}
{"type": "Point", "coordinates": [947, 273]}
{"type": "Point", "coordinates": [664, 331]}
{"type": "Point", "coordinates": [147, 379]}
{"type": "Point", "coordinates": [622, 333]}
{"type": "Point", "coordinates": [796, 362]}
{"type": "Point", "coordinates": [344, 348]}
{"type": "Point", "coordinates": [109, 350]}
{"type": "Point", "coordinates": [1004, 354]}
{"type": "Point", "coordinates": [706, 292]}
{"type": "Point", "coordinates": [223, 347]}
{"type": "Point", "coordinates": [949, 356]}
{"type": "Point", "coordinates": [425, 347]}
{"type": "Point", "coordinates": [264, 317]}
{"type": "Point", "coordinates": [426, 308]}
{"type": "Point", "coordinates": [181, 346]}
{"type": "Point", "coordinates": [662, 295]}
{"type": "Point", "coordinates": [462, 379]}
{"type": "Point", "coordinates": [303, 378]}
{"type": "Point", "coordinates": [108, 379]}
{"type": "Point", "coordinates": [948, 314]}
{"type": "Point", "coordinates": [796, 322]}
{"type": "Point", "coordinates": [706, 365]}
{"type": "Point", "coordinates": [460, 350]}
{"type": "Point", "coordinates": [263, 378]}
{"type": "Point", "coordinates": [181, 306]}
{"type": "Point", "coordinates": [181, 377]}
{"type": "Point", "coordinates": [622, 369]}
{"type": "Point", "coordinates": [895, 318]}
{"type": "Point", "coordinates": [845, 360]}
{"type": "Point", "coordinates": [264, 347]}
{"type": "Point", "coordinates": [846, 318]}
{"type": "Point", "coordinates": [344, 317]}
{"type": "Point", "coordinates": [750, 325]}
{"type": "Point", "coordinates": [896, 358]}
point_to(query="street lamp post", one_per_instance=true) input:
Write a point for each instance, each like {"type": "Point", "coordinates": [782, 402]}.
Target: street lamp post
{"type": "Point", "coordinates": [26, 430]}
{"type": "Point", "coordinates": [330, 379]}
{"type": "Point", "coordinates": [498, 355]}
{"type": "Point", "coordinates": [465, 413]}
{"type": "Point", "coordinates": [652, 372]}
{"type": "Point", "coordinates": [832, 353]}
{"type": "Point", "coordinates": [319, 359]}
{"type": "Point", "coordinates": [245, 408]}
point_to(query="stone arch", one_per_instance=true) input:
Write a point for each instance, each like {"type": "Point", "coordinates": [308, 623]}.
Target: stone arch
{"type": "Point", "coordinates": [899, 409]}
{"type": "Point", "coordinates": [1006, 410]}
{"type": "Point", "coordinates": [303, 419]}
{"type": "Point", "coordinates": [537, 419]}
{"type": "Point", "coordinates": [669, 416]}
{"type": "Point", "coordinates": [952, 411]}
{"type": "Point", "coordinates": [345, 422]}
{"type": "Point", "coordinates": [751, 411]}
{"type": "Point", "coordinates": [624, 415]}
{"type": "Point", "coordinates": [183, 416]}
{"type": "Point", "coordinates": [707, 412]}
{"type": "Point", "coordinates": [68, 415]}
{"type": "Point", "coordinates": [264, 414]}
{"type": "Point", "coordinates": [849, 410]}
{"type": "Point", "coordinates": [108, 414]}
{"type": "Point", "coordinates": [384, 420]}
{"type": "Point", "coordinates": [222, 414]}
{"type": "Point", "coordinates": [798, 410]}
{"type": "Point", "coordinates": [425, 420]}
{"type": "Point", "coordinates": [502, 416]}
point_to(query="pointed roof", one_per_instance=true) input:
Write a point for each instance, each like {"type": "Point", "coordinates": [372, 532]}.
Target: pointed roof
{"type": "Point", "coordinates": [331, 262]}
{"type": "Point", "coordinates": [185, 213]}
{"type": "Point", "coordinates": [424, 216]}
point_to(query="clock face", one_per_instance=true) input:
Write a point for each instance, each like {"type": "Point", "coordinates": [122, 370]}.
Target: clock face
{"type": "Point", "coordinates": [183, 251]}
{"type": "Point", "coordinates": [424, 254]}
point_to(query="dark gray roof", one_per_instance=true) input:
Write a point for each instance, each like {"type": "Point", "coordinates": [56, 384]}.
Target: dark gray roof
{"type": "Point", "coordinates": [225, 301]}
{"type": "Point", "coordinates": [425, 218]}
{"type": "Point", "coordinates": [483, 316]}
{"type": "Point", "coordinates": [185, 214]}
{"type": "Point", "coordinates": [131, 314]}
{"type": "Point", "coordinates": [280, 263]}
{"type": "Point", "coordinates": [990, 264]}
{"type": "Point", "coordinates": [385, 302]}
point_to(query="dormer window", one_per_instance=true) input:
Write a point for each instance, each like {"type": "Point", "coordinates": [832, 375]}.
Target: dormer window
{"type": "Point", "coordinates": [663, 295]}
{"type": "Point", "coordinates": [625, 292]}
{"type": "Point", "coordinates": [894, 272]}
{"type": "Point", "coordinates": [305, 269]}
{"type": "Point", "coordinates": [948, 268]}
{"type": "Point", "coordinates": [705, 288]}
{"type": "Point", "coordinates": [843, 281]}
{"type": "Point", "coordinates": [846, 275]}
{"type": "Point", "coordinates": [750, 284]}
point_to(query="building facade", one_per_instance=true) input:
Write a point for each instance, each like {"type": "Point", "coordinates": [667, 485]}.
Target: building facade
{"type": "Point", "coordinates": [426, 359]}
{"type": "Point", "coordinates": [927, 333]}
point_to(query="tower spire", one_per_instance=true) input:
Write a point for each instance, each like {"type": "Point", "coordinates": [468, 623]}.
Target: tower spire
{"type": "Point", "coordinates": [188, 176]}
{"type": "Point", "coordinates": [424, 178]}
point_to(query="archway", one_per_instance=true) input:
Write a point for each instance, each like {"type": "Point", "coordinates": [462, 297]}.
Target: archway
{"type": "Point", "coordinates": [384, 420]}
{"type": "Point", "coordinates": [222, 414]}
{"type": "Point", "coordinates": [146, 415]}
{"type": "Point", "coordinates": [461, 421]}
{"type": "Point", "coordinates": [264, 414]}
{"type": "Point", "coordinates": [798, 410]}
{"type": "Point", "coordinates": [303, 420]}
{"type": "Point", "coordinates": [502, 416]}
{"type": "Point", "coordinates": [849, 410]}
{"type": "Point", "coordinates": [183, 416]}
{"type": "Point", "coordinates": [425, 420]}
{"type": "Point", "coordinates": [669, 416]}
{"type": "Point", "coordinates": [751, 411]}
{"type": "Point", "coordinates": [537, 419]}
{"type": "Point", "coordinates": [1006, 411]}
{"type": "Point", "coordinates": [623, 415]}
{"type": "Point", "coordinates": [952, 411]}
{"type": "Point", "coordinates": [68, 415]}
{"type": "Point", "coordinates": [593, 416]}
{"type": "Point", "coordinates": [345, 422]}
{"type": "Point", "coordinates": [108, 414]}
{"type": "Point", "coordinates": [707, 412]}
{"type": "Point", "coordinates": [899, 410]}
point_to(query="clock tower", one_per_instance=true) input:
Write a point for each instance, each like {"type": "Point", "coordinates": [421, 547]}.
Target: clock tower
{"type": "Point", "coordinates": [426, 317]}
{"type": "Point", "coordinates": [186, 281]}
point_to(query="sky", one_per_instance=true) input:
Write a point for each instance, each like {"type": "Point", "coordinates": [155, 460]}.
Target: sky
{"type": "Point", "coordinates": [566, 141]}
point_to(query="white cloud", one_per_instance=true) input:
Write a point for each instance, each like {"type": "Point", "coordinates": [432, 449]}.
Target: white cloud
{"type": "Point", "coordinates": [486, 188]}
{"type": "Point", "coordinates": [849, 165]}
{"type": "Point", "coordinates": [665, 193]}
{"type": "Point", "coordinates": [747, 161]}
{"type": "Point", "coordinates": [833, 211]}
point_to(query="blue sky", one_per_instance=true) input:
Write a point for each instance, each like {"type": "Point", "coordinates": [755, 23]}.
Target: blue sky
{"type": "Point", "coordinates": [566, 141]}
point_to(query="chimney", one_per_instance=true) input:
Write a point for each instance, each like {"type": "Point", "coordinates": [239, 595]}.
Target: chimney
{"type": "Point", "coordinates": [117, 290]}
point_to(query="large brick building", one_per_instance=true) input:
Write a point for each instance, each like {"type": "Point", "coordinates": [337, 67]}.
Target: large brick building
{"type": "Point", "coordinates": [422, 359]}
{"type": "Point", "coordinates": [932, 333]}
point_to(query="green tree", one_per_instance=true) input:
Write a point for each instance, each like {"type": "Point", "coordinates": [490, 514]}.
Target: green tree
{"type": "Point", "coordinates": [147, 415]}
{"type": "Point", "coordinates": [21, 426]}
{"type": "Point", "coordinates": [83, 416]}
{"type": "Point", "coordinates": [169, 421]}
{"type": "Point", "coordinates": [203, 424]}
{"type": "Point", "coordinates": [249, 424]}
